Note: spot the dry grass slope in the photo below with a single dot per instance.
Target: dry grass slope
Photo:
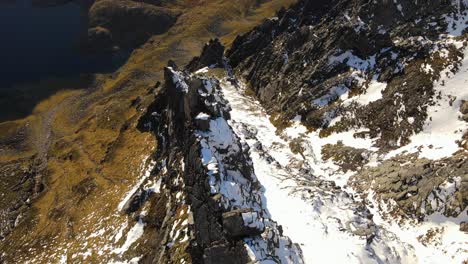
(91, 148)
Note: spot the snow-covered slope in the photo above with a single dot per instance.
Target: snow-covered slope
(362, 125)
(304, 197)
(340, 136)
(313, 210)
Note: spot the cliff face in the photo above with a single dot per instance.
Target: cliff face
(335, 132)
(302, 61)
(210, 172)
(72, 172)
(378, 67)
(357, 93)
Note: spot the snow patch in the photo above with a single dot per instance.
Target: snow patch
(443, 128)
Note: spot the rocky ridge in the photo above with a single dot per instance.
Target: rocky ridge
(96, 158)
(342, 139)
(351, 178)
(350, 141)
(343, 66)
(223, 193)
(229, 218)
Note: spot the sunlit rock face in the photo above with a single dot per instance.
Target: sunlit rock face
(335, 132)
(376, 88)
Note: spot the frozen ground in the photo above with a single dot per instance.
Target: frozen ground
(325, 220)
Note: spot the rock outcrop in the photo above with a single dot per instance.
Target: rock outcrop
(212, 55)
(125, 24)
(302, 61)
(374, 67)
(420, 187)
(230, 221)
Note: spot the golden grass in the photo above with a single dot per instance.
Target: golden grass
(94, 139)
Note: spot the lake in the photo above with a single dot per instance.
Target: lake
(39, 54)
(40, 43)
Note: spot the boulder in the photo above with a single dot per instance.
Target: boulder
(464, 227)
(226, 254)
(212, 54)
(202, 121)
(464, 107)
(243, 223)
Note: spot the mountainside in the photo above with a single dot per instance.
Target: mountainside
(334, 132)
(386, 80)
(67, 165)
(364, 132)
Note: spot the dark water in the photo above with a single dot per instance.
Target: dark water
(38, 43)
(39, 53)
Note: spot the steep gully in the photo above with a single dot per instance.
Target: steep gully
(257, 193)
(239, 175)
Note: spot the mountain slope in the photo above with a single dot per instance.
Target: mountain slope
(335, 132)
(373, 95)
(95, 156)
(363, 140)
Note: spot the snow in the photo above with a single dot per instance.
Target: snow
(373, 93)
(400, 8)
(352, 60)
(444, 127)
(202, 70)
(334, 93)
(202, 116)
(300, 190)
(178, 79)
(63, 258)
(154, 187)
(132, 236)
(220, 151)
(252, 219)
(146, 173)
(457, 22)
(119, 234)
(443, 195)
(450, 247)
(427, 68)
(359, 68)
(315, 222)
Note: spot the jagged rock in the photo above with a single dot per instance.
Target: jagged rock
(190, 120)
(225, 253)
(242, 223)
(212, 55)
(421, 187)
(464, 227)
(202, 121)
(347, 158)
(291, 61)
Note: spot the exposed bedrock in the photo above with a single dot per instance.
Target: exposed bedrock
(189, 119)
(303, 60)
